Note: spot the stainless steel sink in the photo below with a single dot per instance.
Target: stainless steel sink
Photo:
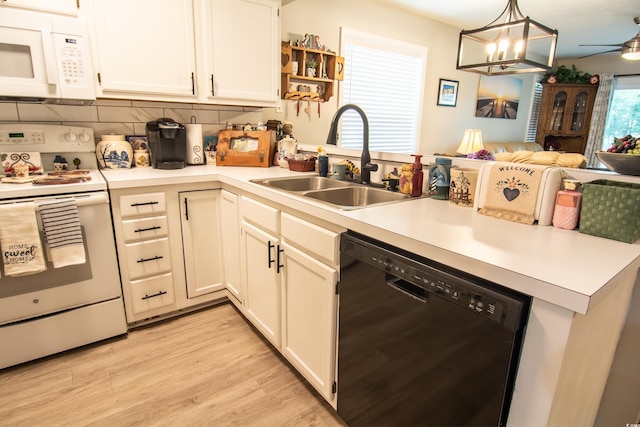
(358, 196)
(303, 183)
(343, 195)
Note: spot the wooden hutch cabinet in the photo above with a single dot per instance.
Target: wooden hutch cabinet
(565, 116)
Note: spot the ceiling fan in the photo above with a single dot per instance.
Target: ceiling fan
(630, 49)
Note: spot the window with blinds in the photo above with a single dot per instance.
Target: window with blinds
(535, 110)
(385, 78)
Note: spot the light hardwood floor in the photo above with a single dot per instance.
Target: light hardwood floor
(208, 368)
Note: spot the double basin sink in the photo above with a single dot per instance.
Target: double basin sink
(343, 195)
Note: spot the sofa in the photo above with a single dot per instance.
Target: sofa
(510, 147)
(533, 153)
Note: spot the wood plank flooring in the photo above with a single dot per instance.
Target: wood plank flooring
(208, 368)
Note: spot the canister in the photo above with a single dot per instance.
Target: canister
(439, 178)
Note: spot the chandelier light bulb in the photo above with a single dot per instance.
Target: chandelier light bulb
(491, 49)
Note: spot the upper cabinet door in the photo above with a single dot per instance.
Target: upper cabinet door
(143, 49)
(240, 53)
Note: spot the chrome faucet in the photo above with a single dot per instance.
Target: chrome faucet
(366, 167)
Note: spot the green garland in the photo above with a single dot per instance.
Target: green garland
(563, 74)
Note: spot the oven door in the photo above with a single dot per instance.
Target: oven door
(60, 289)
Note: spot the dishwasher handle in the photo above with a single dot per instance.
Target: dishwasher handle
(407, 288)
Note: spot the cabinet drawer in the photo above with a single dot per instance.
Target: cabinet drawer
(144, 228)
(263, 216)
(148, 258)
(311, 238)
(142, 204)
(151, 293)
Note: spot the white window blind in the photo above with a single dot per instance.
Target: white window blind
(535, 110)
(385, 78)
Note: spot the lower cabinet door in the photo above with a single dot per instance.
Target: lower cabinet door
(309, 318)
(262, 301)
(201, 240)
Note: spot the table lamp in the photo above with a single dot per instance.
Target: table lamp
(471, 142)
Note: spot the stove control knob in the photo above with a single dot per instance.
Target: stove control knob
(70, 136)
(84, 136)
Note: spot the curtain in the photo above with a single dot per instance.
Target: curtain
(598, 119)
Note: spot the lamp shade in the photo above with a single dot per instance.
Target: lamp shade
(471, 142)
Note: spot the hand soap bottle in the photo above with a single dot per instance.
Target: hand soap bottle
(567, 210)
(416, 179)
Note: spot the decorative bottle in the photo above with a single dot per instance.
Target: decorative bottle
(416, 178)
(567, 209)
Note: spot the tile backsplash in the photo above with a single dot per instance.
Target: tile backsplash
(107, 116)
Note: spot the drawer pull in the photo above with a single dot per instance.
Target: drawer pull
(157, 257)
(141, 230)
(154, 295)
(133, 205)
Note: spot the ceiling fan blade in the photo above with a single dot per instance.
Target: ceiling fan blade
(617, 44)
(600, 53)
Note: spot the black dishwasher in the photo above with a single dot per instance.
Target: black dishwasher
(421, 344)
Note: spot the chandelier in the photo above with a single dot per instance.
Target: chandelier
(518, 45)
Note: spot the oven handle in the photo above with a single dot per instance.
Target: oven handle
(84, 199)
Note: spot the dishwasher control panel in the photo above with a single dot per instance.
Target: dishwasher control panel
(472, 296)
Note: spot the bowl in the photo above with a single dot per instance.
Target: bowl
(625, 164)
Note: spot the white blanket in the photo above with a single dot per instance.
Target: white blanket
(20, 240)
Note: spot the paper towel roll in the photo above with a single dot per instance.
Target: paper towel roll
(195, 153)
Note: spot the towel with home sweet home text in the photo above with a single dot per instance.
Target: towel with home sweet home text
(512, 191)
(61, 224)
(20, 240)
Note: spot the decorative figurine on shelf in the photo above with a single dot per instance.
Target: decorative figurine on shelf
(311, 67)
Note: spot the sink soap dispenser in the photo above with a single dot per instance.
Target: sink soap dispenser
(416, 179)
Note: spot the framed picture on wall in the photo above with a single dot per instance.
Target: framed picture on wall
(498, 97)
(448, 93)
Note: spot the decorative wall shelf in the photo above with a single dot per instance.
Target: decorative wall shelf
(300, 84)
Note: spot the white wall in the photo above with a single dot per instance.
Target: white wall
(442, 127)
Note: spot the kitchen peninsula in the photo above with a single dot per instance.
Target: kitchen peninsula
(580, 295)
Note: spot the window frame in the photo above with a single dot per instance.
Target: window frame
(372, 41)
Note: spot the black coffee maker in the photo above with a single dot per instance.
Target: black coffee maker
(167, 144)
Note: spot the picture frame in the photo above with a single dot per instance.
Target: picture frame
(448, 93)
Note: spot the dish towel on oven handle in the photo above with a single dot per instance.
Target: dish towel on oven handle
(512, 191)
(63, 236)
(20, 240)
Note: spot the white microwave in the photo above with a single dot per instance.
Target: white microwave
(44, 58)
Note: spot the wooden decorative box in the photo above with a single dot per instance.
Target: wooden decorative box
(240, 148)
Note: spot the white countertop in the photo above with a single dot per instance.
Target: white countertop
(564, 267)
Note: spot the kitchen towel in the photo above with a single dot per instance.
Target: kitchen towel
(512, 191)
(61, 224)
(20, 240)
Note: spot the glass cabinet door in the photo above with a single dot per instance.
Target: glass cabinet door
(557, 114)
(579, 111)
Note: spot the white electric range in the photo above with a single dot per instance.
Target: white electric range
(65, 307)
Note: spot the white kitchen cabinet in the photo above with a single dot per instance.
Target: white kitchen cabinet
(143, 49)
(261, 260)
(309, 318)
(239, 55)
(206, 51)
(230, 220)
(201, 241)
(291, 272)
(169, 249)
